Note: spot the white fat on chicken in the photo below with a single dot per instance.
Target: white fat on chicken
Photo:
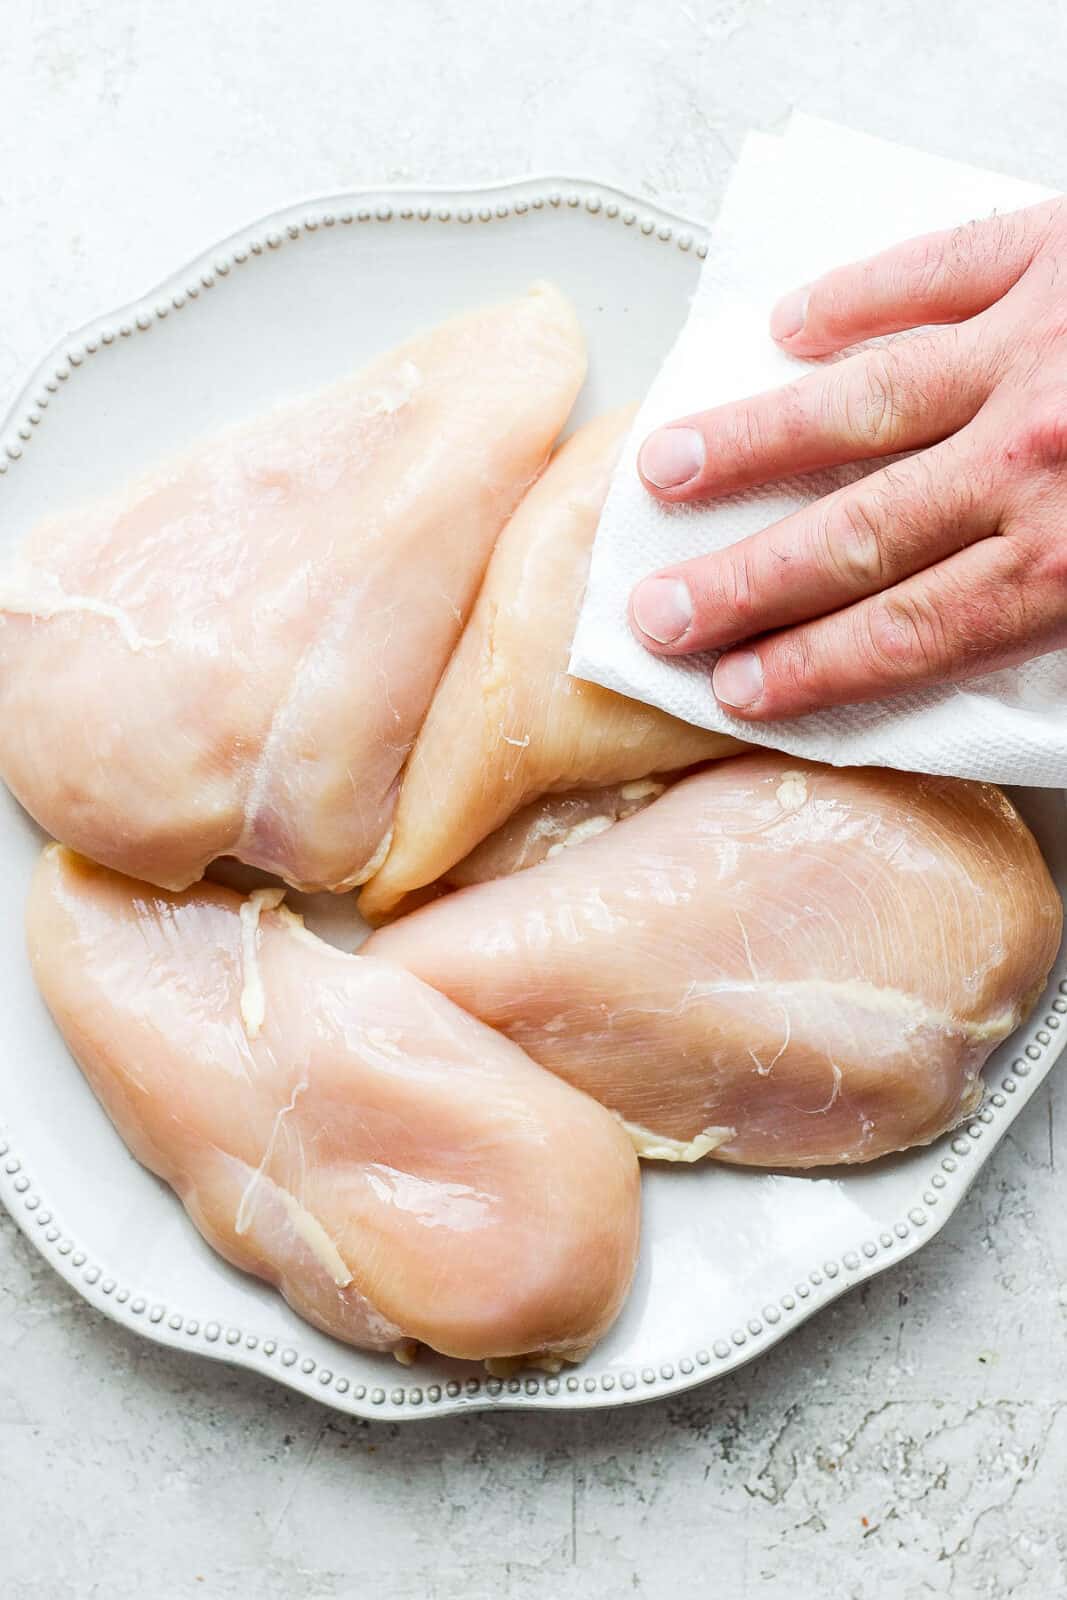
(792, 791)
(580, 832)
(548, 826)
(27, 591)
(309, 1228)
(253, 999)
(655, 1147)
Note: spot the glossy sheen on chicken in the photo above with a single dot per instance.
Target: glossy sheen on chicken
(234, 655)
(507, 723)
(801, 964)
(331, 1124)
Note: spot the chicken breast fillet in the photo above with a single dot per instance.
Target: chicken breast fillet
(507, 724)
(331, 1124)
(234, 655)
(781, 963)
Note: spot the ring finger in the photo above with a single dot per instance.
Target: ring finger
(975, 612)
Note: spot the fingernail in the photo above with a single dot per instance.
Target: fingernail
(662, 609)
(787, 318)
(671, 456)
(738, 678)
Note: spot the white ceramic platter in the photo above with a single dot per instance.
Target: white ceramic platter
(731, 1261)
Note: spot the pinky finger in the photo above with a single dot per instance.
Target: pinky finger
(973, 613)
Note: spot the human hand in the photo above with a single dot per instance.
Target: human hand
(947, 564)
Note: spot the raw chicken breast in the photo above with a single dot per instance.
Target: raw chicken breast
(234, 656)
(331, 1124)
(787, 964)
(507, 723)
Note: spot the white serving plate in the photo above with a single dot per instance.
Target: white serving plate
(731, 1261)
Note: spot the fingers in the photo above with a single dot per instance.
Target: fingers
(939, 277)
(974, 613)
(874, 404)
(838, 550)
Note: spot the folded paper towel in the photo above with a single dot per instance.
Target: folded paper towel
(798, 205)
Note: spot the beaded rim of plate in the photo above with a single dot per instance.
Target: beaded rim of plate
(466, 207)
(955, 1158)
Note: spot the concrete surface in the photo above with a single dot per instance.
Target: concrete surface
(912, 1441)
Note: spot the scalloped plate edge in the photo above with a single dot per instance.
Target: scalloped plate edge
(956, 1158)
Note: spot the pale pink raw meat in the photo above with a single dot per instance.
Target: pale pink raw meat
(507, 724)
(336, 1127)
(786, 963)
(233, 655)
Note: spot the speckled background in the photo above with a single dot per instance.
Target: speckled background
(910, 1442)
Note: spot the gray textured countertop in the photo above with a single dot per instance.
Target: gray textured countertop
(913, 1440)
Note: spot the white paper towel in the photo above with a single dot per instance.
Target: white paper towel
(817, 198)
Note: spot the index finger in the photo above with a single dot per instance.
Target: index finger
(874, 404)
(974, 613)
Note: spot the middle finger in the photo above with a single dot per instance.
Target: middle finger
(843, 548)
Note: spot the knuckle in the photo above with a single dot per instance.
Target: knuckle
(1050, 562)
(904, 633)
(976, 242)
(992, 624)
(849, 545)
(1012, 621)
(916, 635)
(979, 246)
(872, 407)
(1040, 440)
(937, 258)
(940, 259)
